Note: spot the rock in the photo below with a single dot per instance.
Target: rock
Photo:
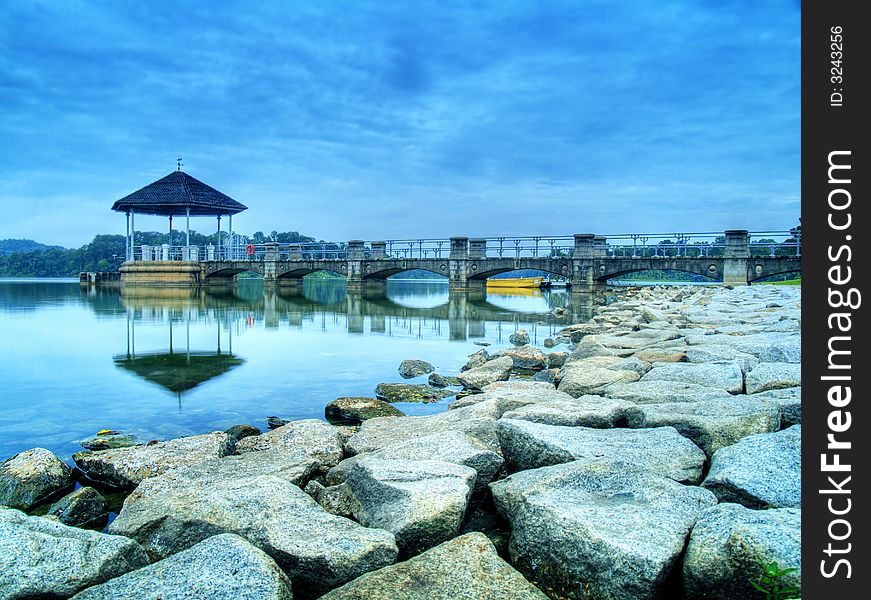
(598, 530)
(519, 337)
(275, 422)
(583, 380)
(789, 402)
(548, 376)
(656, 354)
(662, 450)
(335, 499)
(587, 347)
(32, 477)
(711, 424)
(557, 359)
(409, 392)
(631, 364)
(721, 353)
(773, 376)
(727, 377)
(760, 471)
(498, 369)
(42, 558)
(295, 467)
(784, 351)
(727, 544)
(409, 369)
(385, 431)
(649, 315)
(585, 411)
(84, 507)
(446, 446)
(443, 381)
(550, 343)
(465, 567)
(317, 550)
(312, 437)
(358, 409)
(422, 502)
(476, 360)
(663, 392)
(469, 399)
(237, 432)
(106, 439)
(526, 357)
(222, 567)
(127, 467)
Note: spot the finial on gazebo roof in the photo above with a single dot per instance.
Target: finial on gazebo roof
(178, 161)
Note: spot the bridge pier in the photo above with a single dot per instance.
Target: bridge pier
(736, 257)
(270, 264)
(587, 247)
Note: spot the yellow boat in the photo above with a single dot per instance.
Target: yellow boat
(519, 282)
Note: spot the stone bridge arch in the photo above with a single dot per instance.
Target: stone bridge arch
(710, 269)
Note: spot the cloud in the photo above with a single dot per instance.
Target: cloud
(348, 119)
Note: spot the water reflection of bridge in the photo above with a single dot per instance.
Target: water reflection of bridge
(460, 315)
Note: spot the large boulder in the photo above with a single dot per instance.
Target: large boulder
(773, 376)
(295, 467)
(442, 381)
(498, 369)
(128, 467)
(447, 446)
(725, 376)
(476, 360)
(422, 502)
(662, 450)
(312, 437)
(33, 476)
(85, 507)
(579, 379)
(317, 550)
(223, 567)
(588, 347)
(598, 530)
(727, 545)
(782, 351)
(760, 471)
(466, 567)
(477, 421)
(358, 409)
(41, 558)
(663, 392)
(410, 392)
(584, 411)
(711, 424)
(519, 337)
(789, 401)
(525, 357)
(721, 353)
(410, 369)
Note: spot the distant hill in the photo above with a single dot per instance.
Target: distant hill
(12, 246)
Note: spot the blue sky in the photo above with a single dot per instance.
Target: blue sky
(386, 120)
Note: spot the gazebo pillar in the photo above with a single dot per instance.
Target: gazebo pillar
(219, 237)
(187, 239)
(127, 239)
(132, 237)
(170, 232)
(230, 238)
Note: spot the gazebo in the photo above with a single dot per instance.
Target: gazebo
(177, 194)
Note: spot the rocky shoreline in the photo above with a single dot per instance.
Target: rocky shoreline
(653, 452)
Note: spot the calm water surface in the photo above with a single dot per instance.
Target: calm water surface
(164, 363)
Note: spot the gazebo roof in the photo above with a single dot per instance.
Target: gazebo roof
(175, 194)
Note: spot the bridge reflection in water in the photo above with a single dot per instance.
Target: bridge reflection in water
(400, 309)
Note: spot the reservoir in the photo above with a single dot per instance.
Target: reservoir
(166, 362)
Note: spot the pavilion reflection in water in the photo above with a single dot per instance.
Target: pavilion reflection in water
(177, 370)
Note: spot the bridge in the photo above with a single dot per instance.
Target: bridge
(584, 261)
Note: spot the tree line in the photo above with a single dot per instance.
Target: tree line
(105, 252)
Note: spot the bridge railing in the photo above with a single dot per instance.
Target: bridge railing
(620, 245)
